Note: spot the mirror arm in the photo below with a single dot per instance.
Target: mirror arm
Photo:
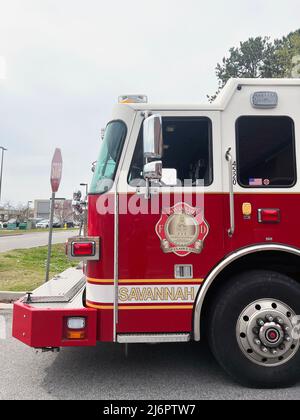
(147, 190)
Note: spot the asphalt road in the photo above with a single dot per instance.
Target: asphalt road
(168, 371)
(31, 240)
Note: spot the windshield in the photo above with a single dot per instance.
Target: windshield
(110, 153)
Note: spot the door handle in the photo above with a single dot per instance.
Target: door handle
(228, 157)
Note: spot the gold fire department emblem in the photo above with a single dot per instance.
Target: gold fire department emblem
(182, 230)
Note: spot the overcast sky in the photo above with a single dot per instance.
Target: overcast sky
(68, 60)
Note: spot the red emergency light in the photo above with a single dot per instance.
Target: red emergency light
(269, 215)
(83, 249)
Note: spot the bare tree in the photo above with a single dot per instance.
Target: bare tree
(63, 211)
(21, 212)
(8, 208)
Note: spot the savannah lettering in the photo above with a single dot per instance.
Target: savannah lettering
(144, 294)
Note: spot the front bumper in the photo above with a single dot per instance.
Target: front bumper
(42, 327)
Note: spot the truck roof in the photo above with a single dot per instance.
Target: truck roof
(223, 98)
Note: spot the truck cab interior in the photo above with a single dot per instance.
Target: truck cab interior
(187, 148)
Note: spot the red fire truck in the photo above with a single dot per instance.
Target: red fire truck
(193, 231)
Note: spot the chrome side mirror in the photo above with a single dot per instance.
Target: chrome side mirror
(153, 138)
(153, 170)
(169, 177)
(93, 168)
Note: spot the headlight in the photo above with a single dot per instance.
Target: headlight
(76, 323)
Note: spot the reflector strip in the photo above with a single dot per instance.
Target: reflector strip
(139, 307)
(146, 281)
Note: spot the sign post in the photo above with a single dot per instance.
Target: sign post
(55, 178)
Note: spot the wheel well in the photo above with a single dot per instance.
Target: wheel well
(281, 262)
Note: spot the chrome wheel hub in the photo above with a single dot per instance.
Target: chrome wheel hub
(271, 335)
(264, 331)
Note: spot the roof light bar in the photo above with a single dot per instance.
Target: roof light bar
(133, 99)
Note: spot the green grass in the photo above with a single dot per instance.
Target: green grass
(24, 269)
(9, 232)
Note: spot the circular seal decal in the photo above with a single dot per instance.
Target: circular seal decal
(182, 230)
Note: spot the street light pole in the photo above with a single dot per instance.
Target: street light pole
(85, 208)
(1, 170)
(86, 188)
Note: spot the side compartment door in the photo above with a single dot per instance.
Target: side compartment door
(169, 243)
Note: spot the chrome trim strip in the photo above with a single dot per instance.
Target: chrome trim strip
(153, 338)
(259, 216)
(228, 157)
(116, 264)
(130, 127)
(220, 267)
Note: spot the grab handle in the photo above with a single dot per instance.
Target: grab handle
(231, 230)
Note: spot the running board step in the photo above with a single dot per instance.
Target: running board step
(153, 338)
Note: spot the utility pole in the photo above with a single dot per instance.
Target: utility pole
(1, 170)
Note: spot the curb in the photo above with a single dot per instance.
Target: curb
(9, 297)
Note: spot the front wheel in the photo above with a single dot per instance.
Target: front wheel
(252, 329)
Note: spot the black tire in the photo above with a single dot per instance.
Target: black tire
(84, 298)
(232, 299)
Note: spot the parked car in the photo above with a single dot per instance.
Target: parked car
(12, 222)
(34, 221)
(57, 224)
(43, 224)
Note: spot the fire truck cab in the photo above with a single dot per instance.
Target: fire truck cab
(193, 230)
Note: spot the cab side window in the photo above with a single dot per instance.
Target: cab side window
(187, 148)
(266, 152)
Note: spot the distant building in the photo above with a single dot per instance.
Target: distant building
(41, 209)
(63, 211)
